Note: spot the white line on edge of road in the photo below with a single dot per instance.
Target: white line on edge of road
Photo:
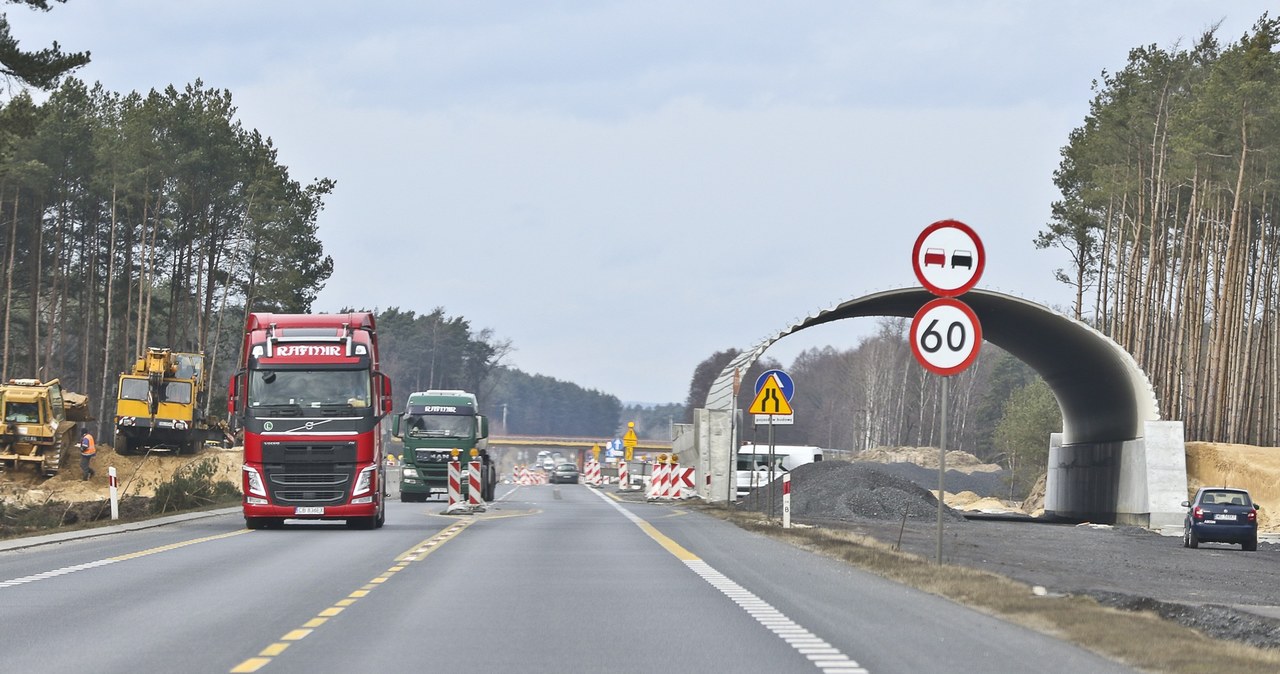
(823, 655)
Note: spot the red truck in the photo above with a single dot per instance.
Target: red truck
(311, 401)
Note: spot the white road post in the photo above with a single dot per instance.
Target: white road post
(115, 497)
(786, 500)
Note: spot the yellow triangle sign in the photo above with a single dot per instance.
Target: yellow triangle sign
(770, 399)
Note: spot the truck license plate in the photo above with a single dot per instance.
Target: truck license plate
(1221, 516)
(309, 510)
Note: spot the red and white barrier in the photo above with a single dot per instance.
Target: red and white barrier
(624, 478)
(455, 483)
(685, 483)
(673, 480)
(474, 495)
(658, 481)
(592, 474)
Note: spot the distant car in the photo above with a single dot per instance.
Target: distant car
(565, 472)
(1221, 515)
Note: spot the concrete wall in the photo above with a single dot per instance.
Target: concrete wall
(1166, 473)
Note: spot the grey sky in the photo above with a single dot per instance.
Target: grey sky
(623, 188)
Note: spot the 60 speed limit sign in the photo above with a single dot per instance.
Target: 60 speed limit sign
(946, 336)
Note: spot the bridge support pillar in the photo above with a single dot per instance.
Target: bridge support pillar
(714, 447)
(1138, 482)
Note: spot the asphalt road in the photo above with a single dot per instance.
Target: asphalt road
(550, 579)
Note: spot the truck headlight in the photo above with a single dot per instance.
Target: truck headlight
(254, 478)
(409, 473)
(365, 481)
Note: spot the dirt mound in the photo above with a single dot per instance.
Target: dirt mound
(927, 457)
(136, 476)
(841, 490)
(1245, 466)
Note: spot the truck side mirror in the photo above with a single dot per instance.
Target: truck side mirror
(395, 426)
(387, 402)
(483, 423)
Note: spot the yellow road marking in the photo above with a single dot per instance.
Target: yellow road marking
(175, 546)
(416, 553)
(250, 665)
(670, 545)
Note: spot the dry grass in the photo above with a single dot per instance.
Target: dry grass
(1140, 639)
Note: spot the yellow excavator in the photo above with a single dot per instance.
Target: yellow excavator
(158, 404)
(39, 427)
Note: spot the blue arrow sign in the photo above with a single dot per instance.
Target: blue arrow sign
(784, 382)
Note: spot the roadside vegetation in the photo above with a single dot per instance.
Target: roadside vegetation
(193, 487)
(1138, 638)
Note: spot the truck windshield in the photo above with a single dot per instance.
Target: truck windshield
(309, 388)
(439, 425)
(178, 392)
(134, 389)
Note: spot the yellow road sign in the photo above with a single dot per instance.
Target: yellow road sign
(770, 399)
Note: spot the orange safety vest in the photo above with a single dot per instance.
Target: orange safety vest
(87, 446)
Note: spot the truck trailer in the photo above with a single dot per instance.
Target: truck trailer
(311, 400)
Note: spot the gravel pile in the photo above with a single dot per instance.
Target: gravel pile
(981, 483)
(841, 490)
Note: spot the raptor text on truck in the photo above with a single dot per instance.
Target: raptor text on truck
(311, 400)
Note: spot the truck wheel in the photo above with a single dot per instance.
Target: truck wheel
(362, 522)
(382, 518)
(255, 522)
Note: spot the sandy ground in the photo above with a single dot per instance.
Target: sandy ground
(136, 476)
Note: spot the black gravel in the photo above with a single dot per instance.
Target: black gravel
(841, 490)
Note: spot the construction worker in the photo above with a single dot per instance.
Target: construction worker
(88, 448)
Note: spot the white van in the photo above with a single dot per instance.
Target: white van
(753, 463)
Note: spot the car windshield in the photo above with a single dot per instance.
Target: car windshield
(566, 468)
(1225, 498)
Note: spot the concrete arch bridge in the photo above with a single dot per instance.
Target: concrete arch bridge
(1115, 461)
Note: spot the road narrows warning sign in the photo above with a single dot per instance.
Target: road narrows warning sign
(770, 399)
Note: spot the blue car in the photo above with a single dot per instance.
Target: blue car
(1221, 515)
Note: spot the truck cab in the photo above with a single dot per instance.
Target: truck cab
(434, 424)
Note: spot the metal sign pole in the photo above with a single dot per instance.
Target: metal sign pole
(771, 467)
(942, 465)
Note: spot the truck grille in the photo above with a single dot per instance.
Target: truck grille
(309, 473)
(422, 456)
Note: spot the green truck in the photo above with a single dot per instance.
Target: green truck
(435, 423)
